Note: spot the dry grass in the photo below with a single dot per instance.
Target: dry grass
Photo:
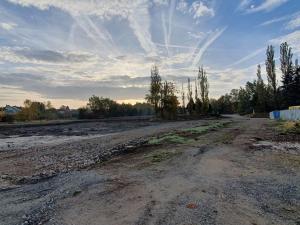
(289, 127)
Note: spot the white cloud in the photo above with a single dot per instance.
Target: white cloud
(293, 23)
(161, 2)
(293, 39)
(294, 20)
(196, 35)
(244, 4)
(248, 57)
(211, 39)
(199, 9)
(182, 6)
(275, 20)
(8, 26)
(266, 5)
(135, 11)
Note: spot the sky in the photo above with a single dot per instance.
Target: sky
(67, 50)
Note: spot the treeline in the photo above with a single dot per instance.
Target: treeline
(260, 97)
(34, 110)
(99, 107)
(163, 96)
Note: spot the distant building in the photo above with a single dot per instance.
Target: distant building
(11, 110)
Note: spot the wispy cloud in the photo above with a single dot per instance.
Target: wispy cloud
(293, 39)
(246, 58)
(290, 17)
(199, 9)
(7, 26)
(293, 23)
(136, 12)
(210, 40)
(267, 5)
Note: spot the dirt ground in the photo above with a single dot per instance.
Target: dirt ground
(234, 174)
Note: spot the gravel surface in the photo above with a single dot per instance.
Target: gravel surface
(232, 175)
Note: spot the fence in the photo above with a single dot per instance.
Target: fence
(293, 114)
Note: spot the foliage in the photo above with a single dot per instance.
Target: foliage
(162, 96)
(99, 107)
(259, 97)
(169, 101)
(183, 136)
(203, 88)
(271, 74)
(155, 89)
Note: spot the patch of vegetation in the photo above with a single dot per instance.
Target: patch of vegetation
(205, 129)
(170, 138)
(186, 135)
(289, 127)
(161, 156)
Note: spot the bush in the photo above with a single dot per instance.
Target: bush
(6, 118)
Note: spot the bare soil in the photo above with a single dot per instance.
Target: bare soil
(243, 173)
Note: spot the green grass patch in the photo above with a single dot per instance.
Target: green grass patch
(170, 138)
(206, 128)
(186, 135)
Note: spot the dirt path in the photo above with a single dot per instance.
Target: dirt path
(234, 175)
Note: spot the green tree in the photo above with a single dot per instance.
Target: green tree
(204, 89)
(286, 60)
(271, 74)
(169, 101)
(191, 104)
(183, 99)
(295, 86)
(155, 89)
(261, 93)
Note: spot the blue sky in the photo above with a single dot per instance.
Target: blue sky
(67, 50)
